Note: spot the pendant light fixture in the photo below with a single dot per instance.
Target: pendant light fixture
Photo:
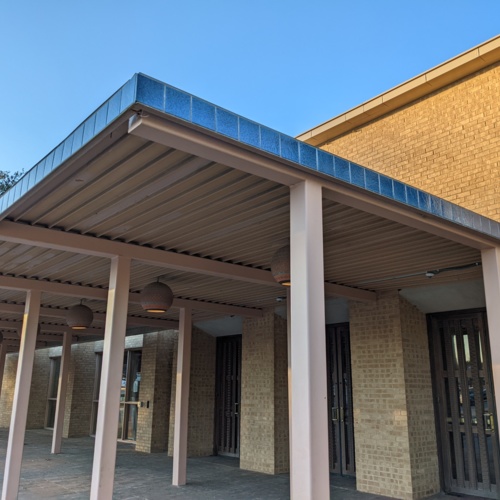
(156, 297)
(79, 317)
(280, 266)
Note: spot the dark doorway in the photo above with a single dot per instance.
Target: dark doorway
(465, 407)
(341, 431)
(228, 396)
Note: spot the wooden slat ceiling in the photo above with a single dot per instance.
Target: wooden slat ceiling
(141, 192)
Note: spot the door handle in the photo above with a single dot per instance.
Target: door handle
(335, 414)
(489, 422)
(342, 414)
(236, 408)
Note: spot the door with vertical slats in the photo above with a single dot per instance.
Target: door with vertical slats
(341, 431)
(465, 405)
(227, 397)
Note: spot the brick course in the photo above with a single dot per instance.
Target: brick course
(446, 143)
(395, 440)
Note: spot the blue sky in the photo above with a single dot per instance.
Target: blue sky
(288, 64)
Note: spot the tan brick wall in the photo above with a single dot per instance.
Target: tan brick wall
(264, 395)
(156, 380)
(446, 143)
(201, 396)
(38, 390)
(396, 453)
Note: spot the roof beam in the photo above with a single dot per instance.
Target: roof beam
(26, 234)
(17, 325)
(99, 247)
(53, 312)
(87, 292)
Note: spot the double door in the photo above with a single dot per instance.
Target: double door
(467, 423)
(341, 431)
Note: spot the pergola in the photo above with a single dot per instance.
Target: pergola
(158, 184)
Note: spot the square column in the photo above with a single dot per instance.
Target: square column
(3, 354)
(103, 472)
(491, 275)
(182, 397)
(19, 415)
(310, 477)
(61, 393)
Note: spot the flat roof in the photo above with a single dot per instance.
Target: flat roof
(461, 66)
(158, 96)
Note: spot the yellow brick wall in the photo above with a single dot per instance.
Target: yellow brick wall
(394, 431)
(447, 143)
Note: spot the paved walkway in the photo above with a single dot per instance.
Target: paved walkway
(142, 476)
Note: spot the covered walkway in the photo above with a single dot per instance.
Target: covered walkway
(149, 476)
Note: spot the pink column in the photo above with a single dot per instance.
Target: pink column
(61, 393)
(182, 398)
(103, 472)
(491, 275)
(3, 354)
(310, 477)
(21, 396)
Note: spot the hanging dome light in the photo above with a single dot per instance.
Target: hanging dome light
(280, 266)
(79, 317)
(156, 297)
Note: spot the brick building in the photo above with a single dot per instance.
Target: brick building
(158, 185)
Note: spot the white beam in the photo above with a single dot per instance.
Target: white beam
(310, 476)
(3, 353)
(182, 398)
(54, 312)
(61, 394)
(491, 276)
(87, 292)
(19, 413)
(88, 245)
(103, 471)
(100, 247)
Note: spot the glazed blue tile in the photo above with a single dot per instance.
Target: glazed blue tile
(10, 196)
(31, 178)
(485, 225)
(289, 148)
(476, 221)
(372, 181)
(411, 196)
(57, 156)
(227, 123)
(150, 92)
(17, 191)
(270, 140)
(67, 147)
(100, 118)
(385, 186)
(77, 139)
(178, 103)
(447, 208)
(357, 175)
(114, 106)
(40, 171)
(203, 113)
(457, 214)
(307, 155)
(436, 206)
(399, 191)
(128, 94)
(88, 128)
(249, 132)
(424, 202)
(342, 169)
(325, 162)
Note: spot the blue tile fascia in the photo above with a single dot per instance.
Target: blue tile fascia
(142, 89)
(115, 106)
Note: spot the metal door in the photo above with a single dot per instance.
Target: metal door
(341, 431)
(464, 402)
(227, 397)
